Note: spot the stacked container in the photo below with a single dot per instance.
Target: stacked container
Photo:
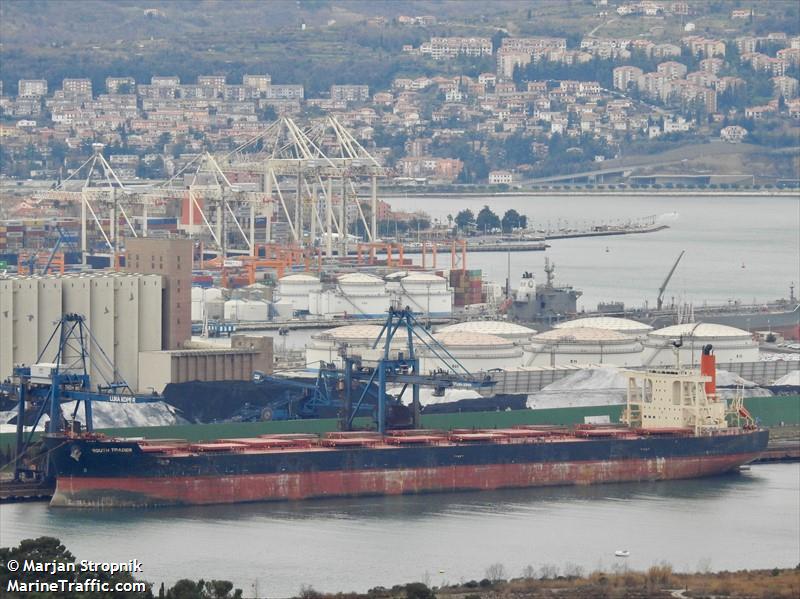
(467, 287)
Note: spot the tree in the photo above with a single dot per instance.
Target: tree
(465, 219)
(513, 220)
(487, 220)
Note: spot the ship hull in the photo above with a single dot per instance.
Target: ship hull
(127, 479)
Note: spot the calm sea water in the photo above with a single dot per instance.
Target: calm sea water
(737, 248)
(745, 520)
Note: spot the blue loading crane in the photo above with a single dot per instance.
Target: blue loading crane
(44, 386)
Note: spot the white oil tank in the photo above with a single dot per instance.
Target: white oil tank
(731, 345)
(507, 330)
(474, 351)
(242, 310)
(293, 290)
(356, 295)
(581, 346)
(424, 293)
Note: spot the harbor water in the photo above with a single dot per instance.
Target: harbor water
(737, 248)
(745, 520)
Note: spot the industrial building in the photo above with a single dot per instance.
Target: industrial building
(171, 258)
(247, 354)
(731, 345)
(581, 346)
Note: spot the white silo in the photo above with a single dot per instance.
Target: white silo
(581, 346)
(126, 327)
(49, 307)
(150, 291)
(731, 345)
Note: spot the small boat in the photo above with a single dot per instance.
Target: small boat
(622, 553)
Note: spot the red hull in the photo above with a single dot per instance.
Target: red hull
(144, 492)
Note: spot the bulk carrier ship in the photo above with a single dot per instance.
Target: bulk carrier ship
(674, 426)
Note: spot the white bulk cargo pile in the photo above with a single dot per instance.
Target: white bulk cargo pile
(109, 415)
(790, 378)
(729, 385)
(600, 386)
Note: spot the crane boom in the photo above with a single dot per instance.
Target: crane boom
(660, 300)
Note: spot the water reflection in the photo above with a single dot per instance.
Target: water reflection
(420, 507)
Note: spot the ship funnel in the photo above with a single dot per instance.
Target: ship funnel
(708, 367)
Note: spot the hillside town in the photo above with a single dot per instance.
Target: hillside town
(547, 106)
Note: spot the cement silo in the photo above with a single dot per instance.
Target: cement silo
(150, 293)
(49, 308)
(126, 328)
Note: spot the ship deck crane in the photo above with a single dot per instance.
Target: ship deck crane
(663, 288)
(44, 386)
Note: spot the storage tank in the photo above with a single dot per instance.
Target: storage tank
(507, 330)
(150, 289)
(325, 345)
(76, 294)
(731, 345)
(626, 326)
(474, 351)
(6, 328)
(215, 309)
(242, 310)
(356, 295)
(26, 323)
(126, 327)
(293, 290)
(582, 346)
(424, 293)
(49, 308)
(102, 327)
(197, 303)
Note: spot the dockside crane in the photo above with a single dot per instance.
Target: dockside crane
(663, 288)
(396, 366)
(46, 385)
